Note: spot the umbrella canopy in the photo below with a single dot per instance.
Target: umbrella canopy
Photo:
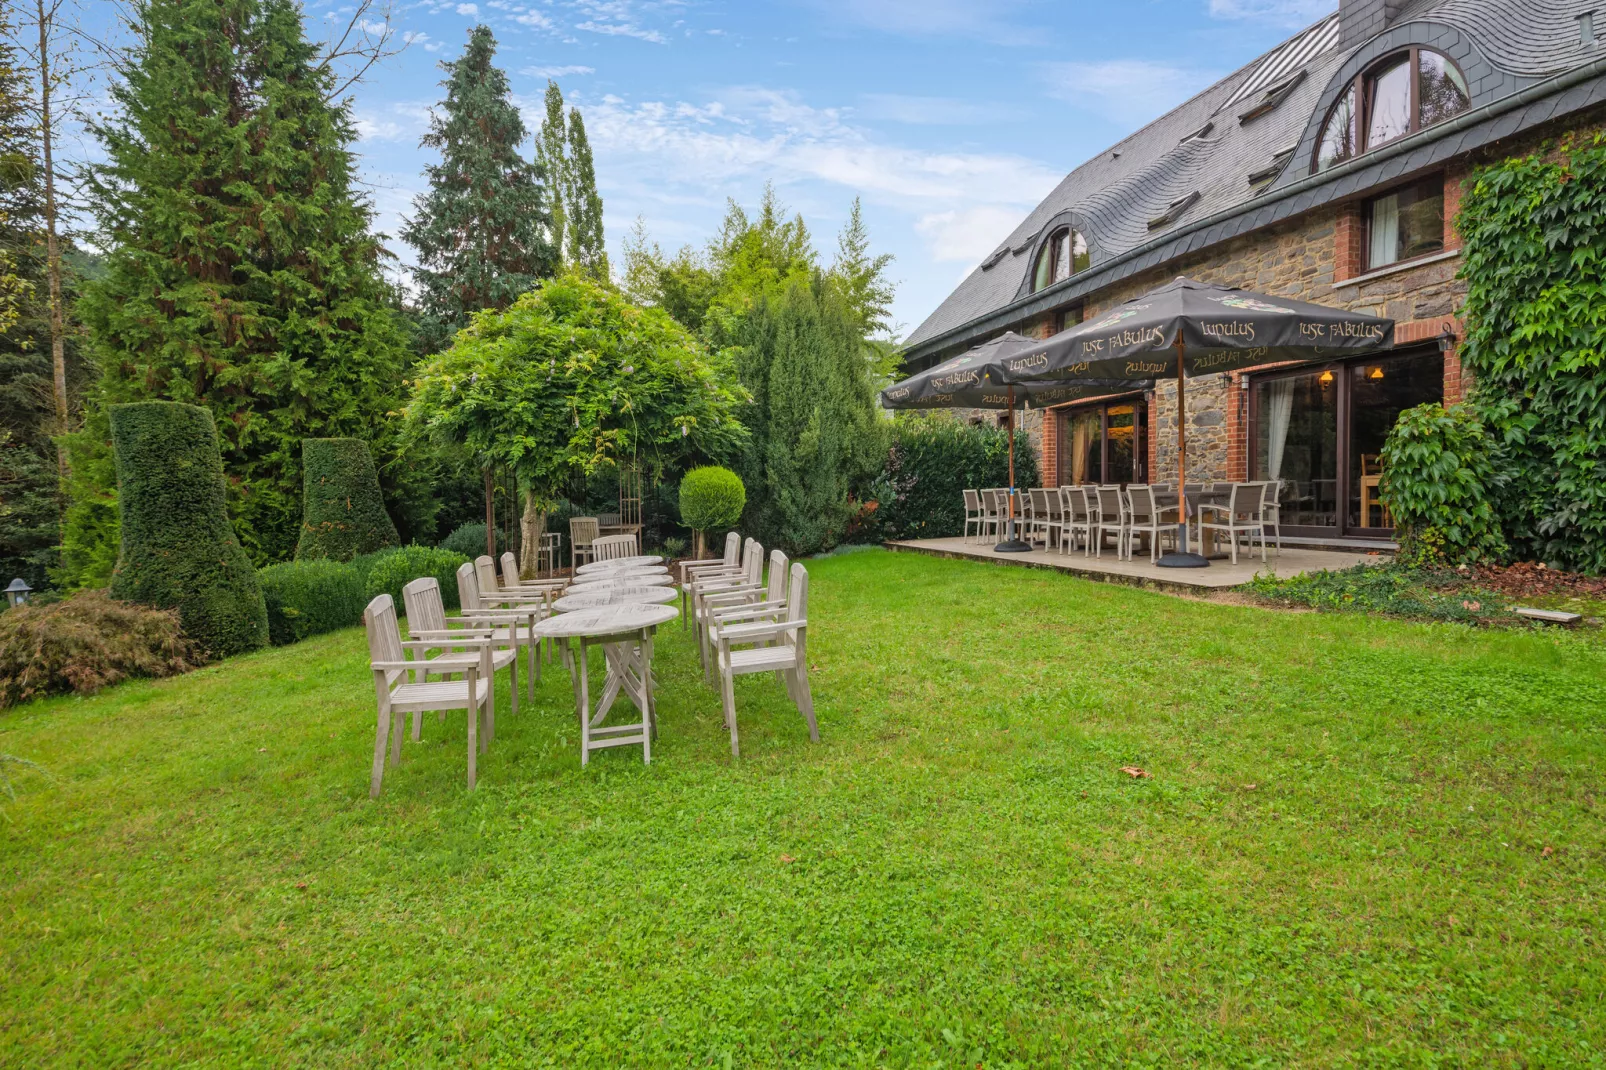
(978, 379)
(1187, 328)
(1209, 328)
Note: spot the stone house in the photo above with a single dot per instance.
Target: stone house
(1330, 169)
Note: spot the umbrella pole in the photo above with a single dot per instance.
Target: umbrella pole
(1180, 557)
(1011, 545)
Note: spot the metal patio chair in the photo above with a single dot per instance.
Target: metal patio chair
(1147, 517)
(1112, 519)
(973, 514)
(1244, 514)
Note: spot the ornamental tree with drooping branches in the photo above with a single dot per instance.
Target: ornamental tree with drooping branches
(570, 378)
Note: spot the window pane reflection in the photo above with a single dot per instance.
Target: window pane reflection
(1297, 442)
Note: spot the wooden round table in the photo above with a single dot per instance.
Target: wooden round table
(624, 631)
(626, 578)
(595, 567)
(598, 597)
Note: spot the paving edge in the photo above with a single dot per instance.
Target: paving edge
(1142, 582)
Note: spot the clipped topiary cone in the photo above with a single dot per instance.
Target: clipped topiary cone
(344, 513)
(179, 550)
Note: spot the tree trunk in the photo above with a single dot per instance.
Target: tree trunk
(58, 332)
(490, 514)
(697, 545)
(533, 524)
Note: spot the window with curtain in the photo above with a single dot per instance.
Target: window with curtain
(1400, 94)
(1405, 223)
(1063, 255)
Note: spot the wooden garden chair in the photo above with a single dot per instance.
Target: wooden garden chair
(749, 592)
(583, 531)
(786, 654)
(493, 609)
(613, 547)
(399, 696)
(704, 584)
(426, 621)
(691, 569)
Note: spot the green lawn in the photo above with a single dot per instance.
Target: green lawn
(1363, 842)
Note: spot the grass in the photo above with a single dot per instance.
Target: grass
(1364, 841)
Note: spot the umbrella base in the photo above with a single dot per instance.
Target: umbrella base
(1013, 546)
(1177, 559)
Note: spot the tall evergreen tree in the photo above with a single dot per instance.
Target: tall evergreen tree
(242, 275)
(551, 151)
(565, 152)
(587, 247)
(28, 505)
(481, 230)
(862, 277)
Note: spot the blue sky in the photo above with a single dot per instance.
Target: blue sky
(950, 118)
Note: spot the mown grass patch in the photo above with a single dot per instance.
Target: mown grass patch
(1363, 841)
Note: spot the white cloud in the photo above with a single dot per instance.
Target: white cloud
(931, 111)
(622, 29)
(967, 234)
(470, 10)
(556, 72)
(1127, 90)
(534, 20)
(1290, 13)
(962, 203)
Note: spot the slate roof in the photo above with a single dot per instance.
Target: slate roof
(1203, 146)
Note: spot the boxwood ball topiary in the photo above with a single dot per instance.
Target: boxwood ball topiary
(711, 498)
(343, 512)
(178, 549)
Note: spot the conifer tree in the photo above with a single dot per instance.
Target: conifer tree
(587, 249)
(861, 277)
(481, 230)
(551, 151)
(242, 276)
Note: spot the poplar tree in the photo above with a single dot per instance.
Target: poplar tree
(481, 229)
(565, 153)
(241, 276)
(587, 249)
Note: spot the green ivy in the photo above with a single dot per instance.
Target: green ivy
(1437, 480)
(1535, 245)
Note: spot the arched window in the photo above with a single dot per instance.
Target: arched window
(1398, 95)
(1063, 255)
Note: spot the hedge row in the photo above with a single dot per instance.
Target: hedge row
(394, 571)
(307, 598)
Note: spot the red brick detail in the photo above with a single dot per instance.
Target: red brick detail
(1452, 207)
(1153, 409)
(1349, 243)
(1238, 429)
(1049, 474)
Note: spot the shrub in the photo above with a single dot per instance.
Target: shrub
(931, 462)
(394, 571)
(86, 642)
(364, 563)
(469, 540)
(178, 548)
(306, 598)
(343, 512)
(1437, 478)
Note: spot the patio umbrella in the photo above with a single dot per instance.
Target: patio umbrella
(978, 379)
(1187, 328)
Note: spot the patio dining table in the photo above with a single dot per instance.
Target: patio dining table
(625, 633)
(1167, 499)
(625, 577)
(636, 561)
(611, 595)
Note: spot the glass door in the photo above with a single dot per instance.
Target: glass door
(1378, 393)
(1105, 443)
(1296, 441)
(1320, 430)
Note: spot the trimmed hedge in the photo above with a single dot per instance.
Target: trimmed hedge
(364, 563)
(85, 643)
(933, 459)
(394, 571)
(469, 539)
(307, 598)
(711, 500)
(344, 513)
(178, 549)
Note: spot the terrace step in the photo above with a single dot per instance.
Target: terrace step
(1548, 616)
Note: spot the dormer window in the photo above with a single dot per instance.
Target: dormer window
(1398, 95)
(1063, 255)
